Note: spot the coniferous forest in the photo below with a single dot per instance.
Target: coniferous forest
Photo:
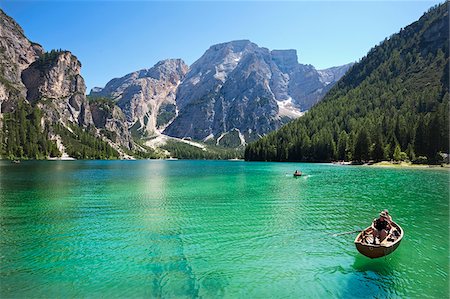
(23, 137)
(391, 105)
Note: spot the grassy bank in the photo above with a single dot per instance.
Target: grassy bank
(408, 165)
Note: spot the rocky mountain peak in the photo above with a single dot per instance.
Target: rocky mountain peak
(235, 46)
(147, 97)
(222, 58)
(172, 70)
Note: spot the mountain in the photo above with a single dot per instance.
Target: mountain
(147, 97)
(43, 107)
(392, 104)
(234, 93)
(237, 92)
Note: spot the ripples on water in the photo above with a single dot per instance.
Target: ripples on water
(216, 229)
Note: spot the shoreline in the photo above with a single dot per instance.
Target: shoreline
(383, 164)
(389, 164)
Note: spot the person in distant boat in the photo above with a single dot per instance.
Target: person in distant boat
(381, 226)
(297, 173)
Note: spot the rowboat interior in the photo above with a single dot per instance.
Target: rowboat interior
(372, 247)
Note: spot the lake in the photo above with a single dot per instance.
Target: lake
(216, 229)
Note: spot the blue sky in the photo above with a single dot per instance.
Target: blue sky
(113, 38)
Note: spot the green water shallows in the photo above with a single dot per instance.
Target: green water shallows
(216, 229)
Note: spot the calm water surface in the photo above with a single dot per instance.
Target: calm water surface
(216, 229)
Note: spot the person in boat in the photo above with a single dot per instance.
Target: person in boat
(382, 226)
(297, 172)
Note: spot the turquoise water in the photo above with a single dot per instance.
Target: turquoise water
(215, 229)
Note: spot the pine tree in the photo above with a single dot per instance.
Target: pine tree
(410, 152)
(434, 138)
(342, 145)
(378, 149)
(397, 153)
(361, 152)
(420, 140)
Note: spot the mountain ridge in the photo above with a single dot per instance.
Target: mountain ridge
(207, 104)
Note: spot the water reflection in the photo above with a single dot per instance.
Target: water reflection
(384, 266)
(157, 215)
(377, 278)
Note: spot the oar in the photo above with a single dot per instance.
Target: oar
(347, 233)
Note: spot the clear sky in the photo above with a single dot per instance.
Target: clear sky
(113, 38)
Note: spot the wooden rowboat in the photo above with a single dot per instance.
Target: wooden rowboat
(364, 242)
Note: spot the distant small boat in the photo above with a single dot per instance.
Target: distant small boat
(15, 161)
(297, 173)
(364, 242)
(171, 159)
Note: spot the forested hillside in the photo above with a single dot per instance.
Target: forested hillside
(392, 104)
(23, 136)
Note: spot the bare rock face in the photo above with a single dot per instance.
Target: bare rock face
(112, 123)
(240, 87)
(333, 74)
(147, 97)
(55, 81)
(227, 89)
(16, 54)
(302, 82)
